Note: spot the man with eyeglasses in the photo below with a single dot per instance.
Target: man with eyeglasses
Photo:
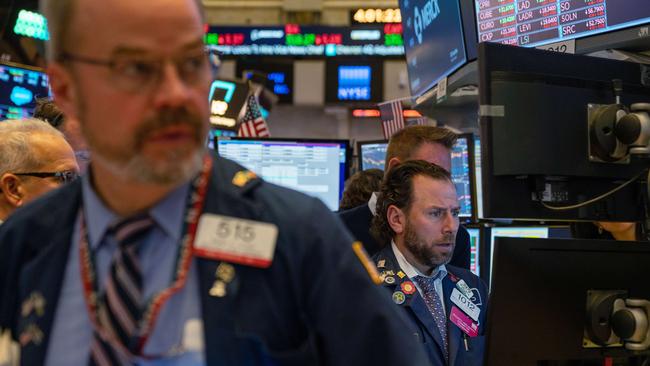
(35, 159)
(163, 253)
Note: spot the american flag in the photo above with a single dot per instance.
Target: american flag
(253, 124)
(392, 117)
(420, 121)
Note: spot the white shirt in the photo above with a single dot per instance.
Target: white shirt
(413, 272)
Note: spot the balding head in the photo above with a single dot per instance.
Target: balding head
(30, 146)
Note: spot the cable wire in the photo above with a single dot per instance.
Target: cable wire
(595, 199)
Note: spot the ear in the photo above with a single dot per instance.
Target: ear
(12, 189)
(396, 219)
(65, 94)
(393, 162)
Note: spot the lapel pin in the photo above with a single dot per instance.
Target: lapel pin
(225, 272)
(218, 289)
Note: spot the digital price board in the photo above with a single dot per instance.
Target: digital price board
(310, 41)
(19, 88)
(532, 23)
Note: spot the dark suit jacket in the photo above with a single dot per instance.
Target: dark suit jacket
(314, 305)
(359, 219)
(427, 333)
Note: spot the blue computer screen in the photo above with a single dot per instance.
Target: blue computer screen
(373, 155)
(433, 41)
(354, 83)
(317, 168)
(19, 88)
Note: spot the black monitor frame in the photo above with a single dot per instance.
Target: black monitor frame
(533, 116)
(538, 298)
(360, 144)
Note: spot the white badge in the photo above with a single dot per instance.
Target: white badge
(235, 240)
(465, 304)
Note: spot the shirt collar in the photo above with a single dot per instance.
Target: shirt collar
(372, 203)
(167, 213)
(410, 270)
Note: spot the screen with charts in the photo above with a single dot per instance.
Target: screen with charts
(536, 22)
(315, 167)
(475, 247)
(372, 154)
(477, 177)
(19, 89)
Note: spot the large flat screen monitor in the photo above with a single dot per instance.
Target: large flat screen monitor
(537, 22)
(538, 299)
(433, 41)
(354, 82)
(20, 86)
(315, 167)
(372, 154)
(534, 116)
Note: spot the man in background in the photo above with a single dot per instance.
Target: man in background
(429, 143)
(35, 159)
(48, 111)
(417, 214)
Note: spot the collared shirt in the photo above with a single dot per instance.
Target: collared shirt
(372, 203)
(413, 272)
(72, 330)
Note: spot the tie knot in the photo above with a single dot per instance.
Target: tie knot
(131, 230)
(426, 283)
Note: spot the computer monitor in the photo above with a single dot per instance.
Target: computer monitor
(277, 75)
(434, 41)
(540, 22)
(475, 250)
(523, 232)
(462, 174)
(534, 115)
(477, 178)
(372, 154)
(315, 167)
(20, 86)
(538, 299)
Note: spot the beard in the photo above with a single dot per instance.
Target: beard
(175, 166)
(425, 252)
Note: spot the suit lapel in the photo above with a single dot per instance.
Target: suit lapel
(415, 303)
(43, 274)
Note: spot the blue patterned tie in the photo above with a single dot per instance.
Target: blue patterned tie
(434, 304)
(122, 300)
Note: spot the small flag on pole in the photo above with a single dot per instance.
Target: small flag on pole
(392, 118)
(420, 121)
(253, 124)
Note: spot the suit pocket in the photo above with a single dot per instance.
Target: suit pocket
(474, 355)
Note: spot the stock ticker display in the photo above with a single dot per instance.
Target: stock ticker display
(19, 89)
(537, 22)
(460, 175)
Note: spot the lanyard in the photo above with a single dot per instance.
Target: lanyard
(183, 261)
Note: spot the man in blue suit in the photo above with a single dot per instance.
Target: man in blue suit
(162, 253)
(417, 214)
(428, 143)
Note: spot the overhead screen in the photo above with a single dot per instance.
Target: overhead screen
(433, 41)
(537, 22)
(19, 89)
(314, 167)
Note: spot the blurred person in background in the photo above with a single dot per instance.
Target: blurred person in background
(360, 187)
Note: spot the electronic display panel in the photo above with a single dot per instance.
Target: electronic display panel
(19, 89)
(532, 23)
(433, 41)
(315, 167)
(353, 82)
(475, 248)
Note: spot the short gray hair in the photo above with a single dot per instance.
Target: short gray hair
(16, 153)
(59, 15)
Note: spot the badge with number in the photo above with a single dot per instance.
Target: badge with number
(465, 304)
(235, 240)
(462, 286)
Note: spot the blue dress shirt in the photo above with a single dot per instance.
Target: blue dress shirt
(179, 323)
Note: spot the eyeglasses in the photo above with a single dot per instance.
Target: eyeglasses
(65, 176)
(141, 73)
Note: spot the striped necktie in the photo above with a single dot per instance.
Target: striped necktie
(121, 304)
(432, 299)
